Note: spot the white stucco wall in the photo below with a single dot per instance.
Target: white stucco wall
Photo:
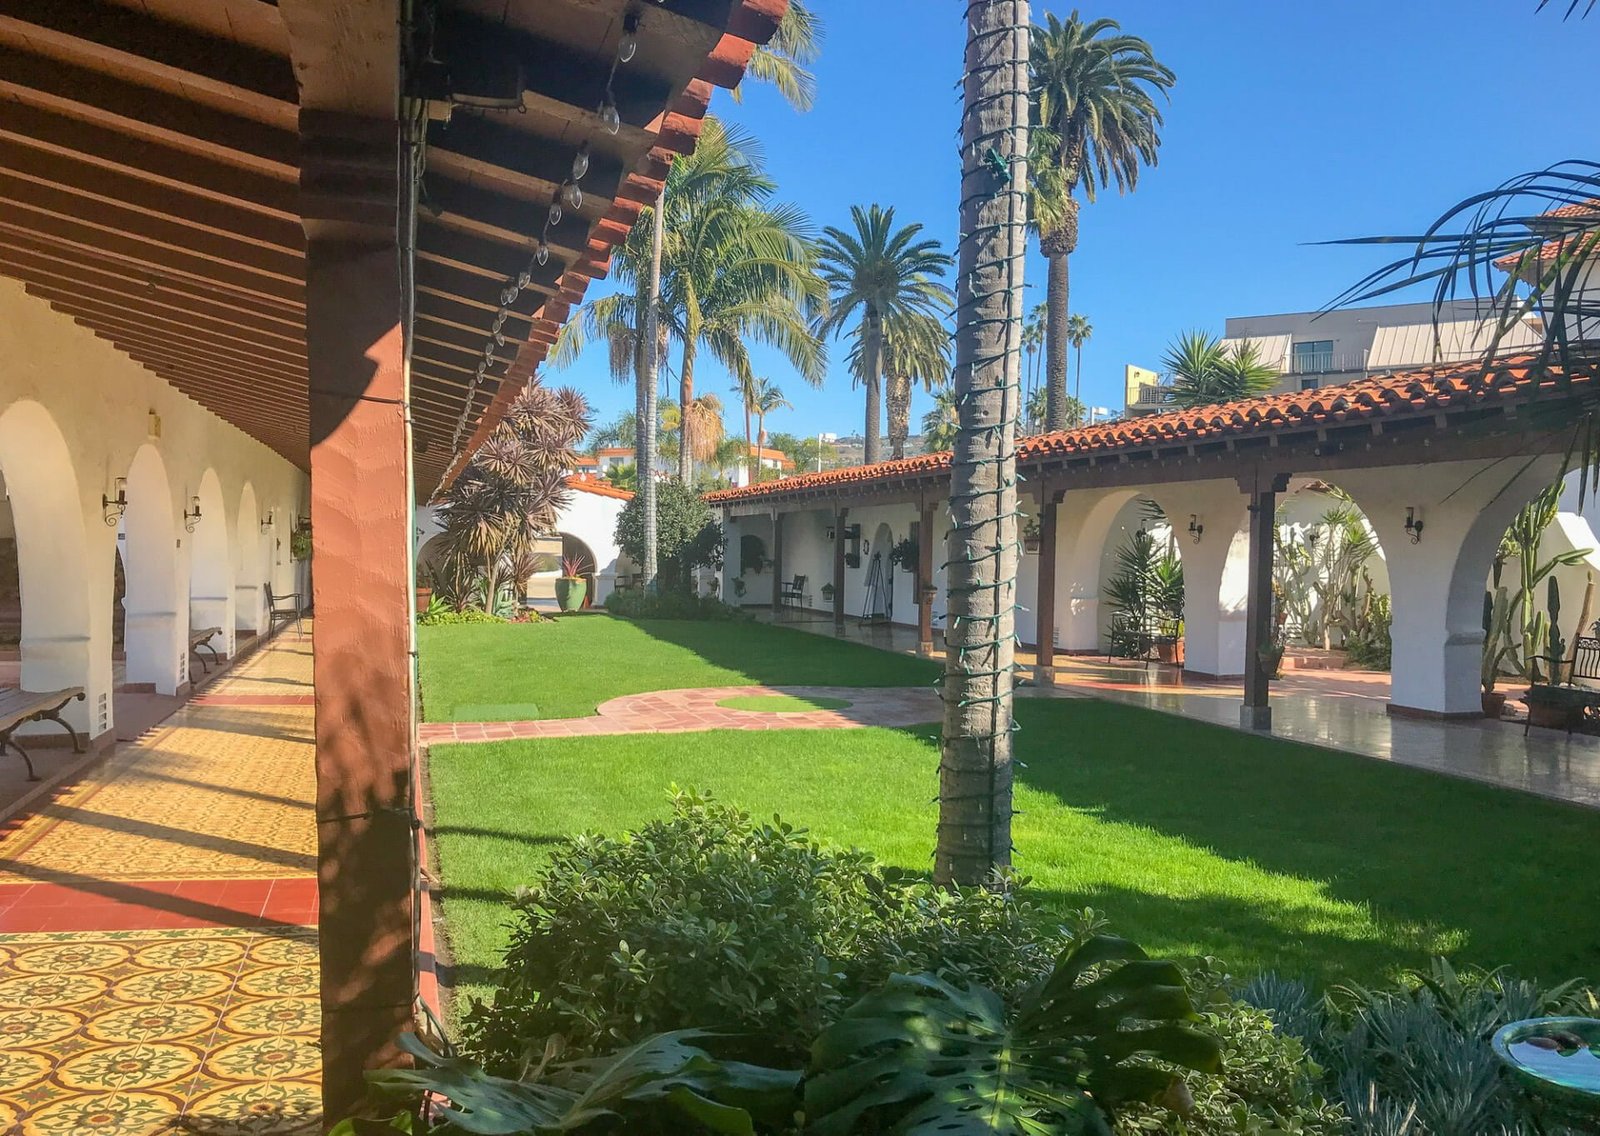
(75, 415)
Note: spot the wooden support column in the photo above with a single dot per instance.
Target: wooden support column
(1256, 713)
(777, 563)
(1044, 608)
(925, 590)
(361, 517)
(840, 516)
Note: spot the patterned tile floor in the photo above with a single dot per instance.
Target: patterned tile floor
(157, 926)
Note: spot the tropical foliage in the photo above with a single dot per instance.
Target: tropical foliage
(1146, 585)
(1538, 633)
(889, 279)
(1096, 122)
(1320, 572)
(783, 61)
(939, 424)
(688, 535)
(508, 496)
(1205, 371)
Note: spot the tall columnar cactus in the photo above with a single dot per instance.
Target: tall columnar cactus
(1496, 634)
(1558, 645)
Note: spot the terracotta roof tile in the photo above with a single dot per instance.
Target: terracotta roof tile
(599, 487)
(1510, 379)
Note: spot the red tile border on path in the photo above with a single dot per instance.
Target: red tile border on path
(120, 906)
(686, 711)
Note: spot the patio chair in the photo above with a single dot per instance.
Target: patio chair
(283, 609)
(793, 593)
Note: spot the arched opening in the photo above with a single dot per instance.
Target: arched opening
(1088, 526)
(249, 566)
(44, 520)
(877, 602)
(155, 641)
(1142, 584)
(1330, 581)
(577, 553)
(1215, 557)
(211, 567)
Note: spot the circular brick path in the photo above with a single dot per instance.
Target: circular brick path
(681, 711)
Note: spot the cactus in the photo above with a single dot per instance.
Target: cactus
(1558, 646)
(1496, 634)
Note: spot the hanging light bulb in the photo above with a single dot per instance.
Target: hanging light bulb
(580, 163)
(508, 296)
(499, 321)
(555, 212)
(628, 45)
(499, 338)
(574, 195)
(523, 279)
(609, 118)
(543, 254)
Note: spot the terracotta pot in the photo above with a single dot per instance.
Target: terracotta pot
(1549, 715)
(570, 592)
(1494, 703)
(424, 596)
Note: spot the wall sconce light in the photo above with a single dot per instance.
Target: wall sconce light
(268, 521)
(1196, 529)
(191, 518)
(1312, 536)
(114, 507)
(1413, 524)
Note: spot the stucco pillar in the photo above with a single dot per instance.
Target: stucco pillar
(214, 611)
(1215, 574)
(1436, 584)
(925, 588)
(840, 517)
(1044, 670)
(1256, 713)
(361, 514)
(777, 562)
(249, 607)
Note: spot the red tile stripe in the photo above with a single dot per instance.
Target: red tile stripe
(101, 905)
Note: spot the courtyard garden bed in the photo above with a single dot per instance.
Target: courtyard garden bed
(566, 667)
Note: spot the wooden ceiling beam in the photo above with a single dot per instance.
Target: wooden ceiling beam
(444, 312)
(53, 280)
(23, 220)
(95, 266)
(121, 194)
(230, 369)
(147, 160)
(145, 113)
(473, 209)
(178, 326)
(482, 293)
(129, 41)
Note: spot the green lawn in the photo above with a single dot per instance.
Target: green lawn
(1192, 838)
(565, 668)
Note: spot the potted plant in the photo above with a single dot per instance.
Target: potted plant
(903, 555)
(1031, 536)
(827, 594)
(1271, 657)
(1553, 707)
(300, 540)
(572, 586)
(739, 587)
(1496, 647)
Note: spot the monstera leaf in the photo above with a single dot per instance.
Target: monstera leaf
(924, 1058)
(660, 1072)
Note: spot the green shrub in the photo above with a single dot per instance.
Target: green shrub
(441, 614)
(713, 919)
(1368, 643)
(634, 603)
(688, 535)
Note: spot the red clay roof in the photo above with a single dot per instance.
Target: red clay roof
(1513, 378)
(600, 488)
(1581, 241)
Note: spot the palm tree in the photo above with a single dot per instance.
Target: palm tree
(736, 267)
(974, 835)
(1079, 329)
(939, 424)
(768, 400)
(1096, 121)
(782, 62)
(1205, 370)
(1033, 345)
(916, 352)
(886, 275)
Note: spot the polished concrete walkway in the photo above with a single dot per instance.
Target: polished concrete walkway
(1342, 710)
(157, 925)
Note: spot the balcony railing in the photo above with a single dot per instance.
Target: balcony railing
(1153, 394)
(1326, 362)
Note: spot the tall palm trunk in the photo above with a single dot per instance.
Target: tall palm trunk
(1077, 383)
(975, 744)
(1057, 246)
(686, 407)
(750, 462)
(649, 358)
(872, 365)
(897, 392)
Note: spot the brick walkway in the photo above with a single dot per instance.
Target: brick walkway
(158, 958)
(681, 711)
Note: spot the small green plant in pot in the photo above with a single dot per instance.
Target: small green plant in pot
(572, 586)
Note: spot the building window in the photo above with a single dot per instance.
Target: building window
(1308, 384)
(1313, 356)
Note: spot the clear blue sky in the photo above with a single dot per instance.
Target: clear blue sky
(1291, 122)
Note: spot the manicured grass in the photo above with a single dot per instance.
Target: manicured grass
(1192, 838)
(567, 667)
(781, 703)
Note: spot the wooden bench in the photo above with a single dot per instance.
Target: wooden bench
(20, 706)
(201, 637)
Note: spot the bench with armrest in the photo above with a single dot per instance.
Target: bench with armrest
(201, 637)
(793, 593)
(1579, 690)
(21, 706)
(283, 609)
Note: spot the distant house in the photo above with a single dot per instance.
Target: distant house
(769, 460)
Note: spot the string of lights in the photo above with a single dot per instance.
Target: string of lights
(568, 195)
